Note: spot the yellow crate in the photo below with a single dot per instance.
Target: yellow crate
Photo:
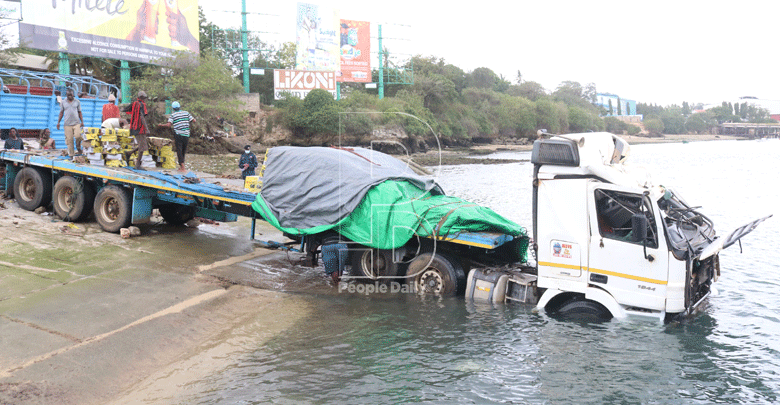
(253, 183)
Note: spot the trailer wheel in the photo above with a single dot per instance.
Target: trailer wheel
(72, 199)
(374, 263)
(581, 309)
(175, 214)
(113, 208)
(32, 188)
(439, 275)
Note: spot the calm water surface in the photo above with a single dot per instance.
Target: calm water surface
(401, 348)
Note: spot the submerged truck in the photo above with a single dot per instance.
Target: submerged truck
(607, 242)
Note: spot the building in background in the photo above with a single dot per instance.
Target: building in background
(619, 106)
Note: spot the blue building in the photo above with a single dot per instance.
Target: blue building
(627, 107)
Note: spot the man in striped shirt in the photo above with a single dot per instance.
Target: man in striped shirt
(180, 121)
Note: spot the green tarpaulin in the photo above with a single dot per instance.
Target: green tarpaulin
(393, 211)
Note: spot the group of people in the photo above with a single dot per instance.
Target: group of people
(72, 119)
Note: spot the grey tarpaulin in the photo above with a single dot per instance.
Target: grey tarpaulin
(312, 186)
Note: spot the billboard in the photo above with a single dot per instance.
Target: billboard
(300, 82)
(355, 51)
(133, 30)
(317, 38)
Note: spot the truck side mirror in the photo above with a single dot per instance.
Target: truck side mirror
(638, 228)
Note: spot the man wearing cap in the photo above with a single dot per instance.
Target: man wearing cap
(138, 126)
(70, 109)
(110, 110)
(247, 163)
(180, 121)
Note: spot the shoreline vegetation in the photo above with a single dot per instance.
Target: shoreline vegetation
(224, 165)
(472, 155)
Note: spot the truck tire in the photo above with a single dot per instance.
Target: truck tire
(32, 188)
(175, 214)
(113, 208)
(443, 276)
(374, 263)
(581, 309)
(72, 199)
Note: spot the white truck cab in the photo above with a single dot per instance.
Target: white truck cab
(608, 242)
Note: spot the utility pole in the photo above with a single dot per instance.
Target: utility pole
(244, 46)
(64, 66)
(381, 66)
(124, 78)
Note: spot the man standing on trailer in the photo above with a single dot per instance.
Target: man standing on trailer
(70, 109)
(138, 126)
(110, 110)
(180, 121)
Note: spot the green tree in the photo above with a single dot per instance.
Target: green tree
(654, 126)
(686, 109)
(581, 120)
(548, 115)
(619, 112)
(435, 89)
(482, 78)
(316, 115)
(529, 89)
(610, 107)
(696, 123)
(674, 122)
(204, 86)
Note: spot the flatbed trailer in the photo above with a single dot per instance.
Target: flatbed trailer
(118, 197)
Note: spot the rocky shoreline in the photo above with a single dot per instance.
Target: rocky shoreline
(472, 155)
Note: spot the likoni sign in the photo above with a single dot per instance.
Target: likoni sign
(300, 82)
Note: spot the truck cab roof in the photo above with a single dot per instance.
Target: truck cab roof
(598, 154)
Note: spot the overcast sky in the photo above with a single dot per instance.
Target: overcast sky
(663, 52)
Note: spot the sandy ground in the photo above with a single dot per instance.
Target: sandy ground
(87, 317)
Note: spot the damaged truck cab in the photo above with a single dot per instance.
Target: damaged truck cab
(608, 242)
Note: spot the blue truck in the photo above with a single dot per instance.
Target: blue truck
(28, 101)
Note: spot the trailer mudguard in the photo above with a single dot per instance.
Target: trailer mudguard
(142, 204)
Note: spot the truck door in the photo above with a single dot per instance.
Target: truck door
(634, 271)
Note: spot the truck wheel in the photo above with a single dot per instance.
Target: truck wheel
(32, 188)
(374, 263)
(113, 208)
(72, 199)
(443, 276)
(175, 214)
(581, 309)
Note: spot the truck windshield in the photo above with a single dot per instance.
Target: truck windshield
(688, 230)
(616, 210)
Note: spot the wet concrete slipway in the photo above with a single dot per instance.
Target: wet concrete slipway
(85, 315)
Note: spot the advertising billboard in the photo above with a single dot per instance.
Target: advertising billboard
(317, 38)
(133, 30)
(300, 82)
(355, 51)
